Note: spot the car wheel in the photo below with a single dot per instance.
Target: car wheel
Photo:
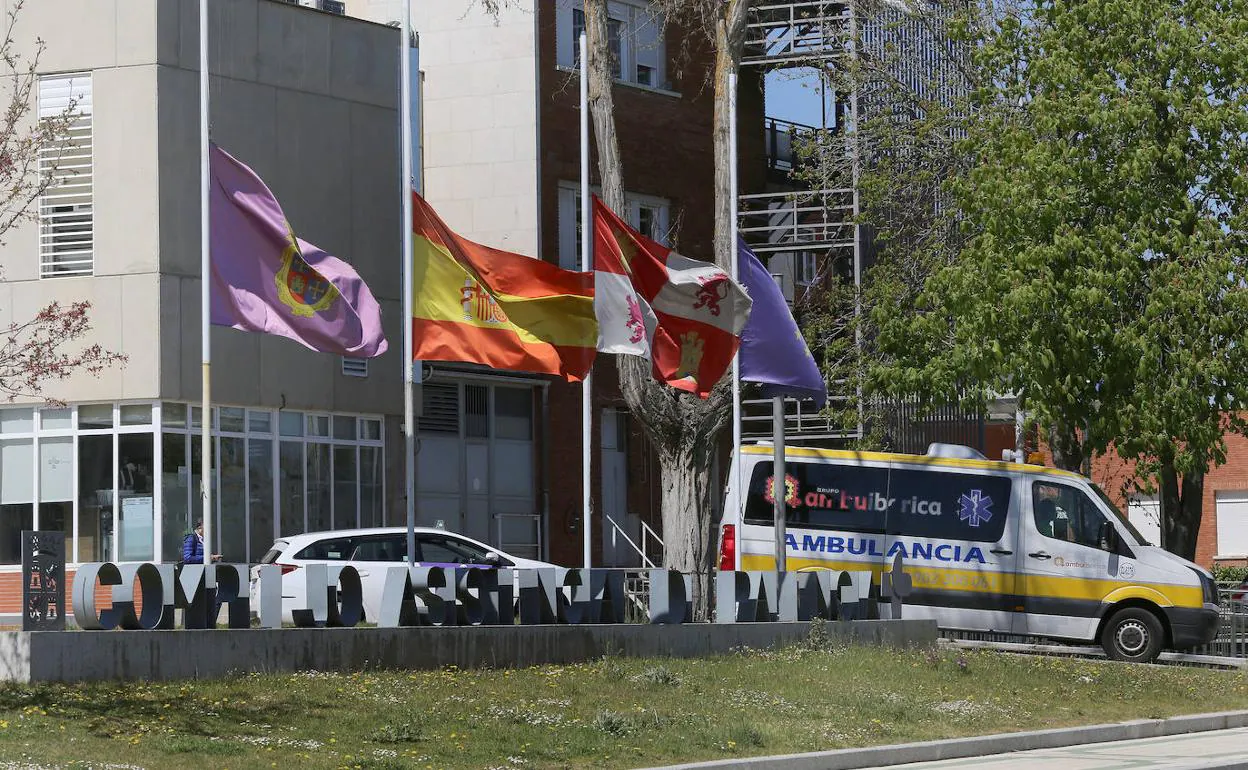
(1132, 634)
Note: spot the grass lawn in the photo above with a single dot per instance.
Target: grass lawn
(614, 712)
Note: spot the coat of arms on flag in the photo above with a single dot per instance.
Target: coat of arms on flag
(301, 288)
(496, 308)
(686, 316)
(265, 279)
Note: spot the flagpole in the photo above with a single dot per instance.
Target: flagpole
(587, 387)
(205, 298)
(409, 365)
(733, 193)
(780, 487)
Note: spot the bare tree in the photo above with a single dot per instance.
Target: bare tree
(682, 428)
(45, 348)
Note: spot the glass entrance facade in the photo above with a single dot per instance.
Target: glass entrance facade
(122, 480)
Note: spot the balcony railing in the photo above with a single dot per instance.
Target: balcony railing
(796, 220)
(780, 33)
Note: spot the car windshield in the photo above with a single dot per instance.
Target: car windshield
(1123, 520)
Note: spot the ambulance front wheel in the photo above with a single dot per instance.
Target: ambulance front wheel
(1133, 634)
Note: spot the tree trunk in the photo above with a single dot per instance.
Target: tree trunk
(1066, 447)
(1182, 503)
(691, 543)
(602, 105)
(682, 428)
(729, 41)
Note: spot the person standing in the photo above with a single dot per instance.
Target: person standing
(193, 553)
(193, 546)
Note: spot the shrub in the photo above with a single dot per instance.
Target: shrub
(1225, 574)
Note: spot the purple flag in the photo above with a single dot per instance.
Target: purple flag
(773, 351)
(264, 279)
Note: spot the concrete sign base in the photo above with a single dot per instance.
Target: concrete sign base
(72, 656)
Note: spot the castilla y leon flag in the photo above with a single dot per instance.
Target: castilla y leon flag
(685, 315)
(266, 280)
(485, 306)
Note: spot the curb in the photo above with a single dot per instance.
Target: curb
(959, 748)
(1094, 653)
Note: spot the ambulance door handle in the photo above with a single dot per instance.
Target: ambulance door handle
(1002, 552)
(1040, 555)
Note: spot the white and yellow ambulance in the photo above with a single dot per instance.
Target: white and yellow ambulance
(990, 546)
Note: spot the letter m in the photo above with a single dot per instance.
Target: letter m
(811, 543)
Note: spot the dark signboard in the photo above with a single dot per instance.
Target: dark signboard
(43, 581)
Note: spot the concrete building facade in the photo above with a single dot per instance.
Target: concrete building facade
(308, 441)
(304, 440)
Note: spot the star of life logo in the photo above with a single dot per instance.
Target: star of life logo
(975, 507)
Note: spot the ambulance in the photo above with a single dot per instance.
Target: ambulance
(990, 546)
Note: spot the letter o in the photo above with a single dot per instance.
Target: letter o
(85, 615)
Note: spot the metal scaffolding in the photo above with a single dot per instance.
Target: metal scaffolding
(792, 220)
(807, 217)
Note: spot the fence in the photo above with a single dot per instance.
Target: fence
(1232, 638)
(1231, 641)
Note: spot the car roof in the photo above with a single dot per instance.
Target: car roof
(909, 459)
(311, 536)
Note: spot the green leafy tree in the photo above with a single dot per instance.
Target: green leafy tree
(1099, 272)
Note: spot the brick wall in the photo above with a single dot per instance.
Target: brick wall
(1116, 477)
(11, 594)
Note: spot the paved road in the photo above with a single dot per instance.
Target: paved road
(1214, 749)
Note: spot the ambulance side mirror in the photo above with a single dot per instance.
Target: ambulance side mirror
(1110, 537)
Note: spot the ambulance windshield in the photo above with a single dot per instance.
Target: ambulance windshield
(1126, 523)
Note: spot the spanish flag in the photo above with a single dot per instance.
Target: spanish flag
(507, 311)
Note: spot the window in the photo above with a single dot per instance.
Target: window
(230, 419)
(95, 416)
(1066, 513)
(805, 268)
(17, 420)
(344, 428)
(66, 207)
(318, 425)
(1231, 509)
(370, 430)
(320, 509)
(634, 35)
(371, 513)
(437, 549)
(513, 413)
(614, 36)
(647, 214)
(382, 548)
(173, 415)
(912, 503)
(290, 423)
(259, 421)
(334, 549)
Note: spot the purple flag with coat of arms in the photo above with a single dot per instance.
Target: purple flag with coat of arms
(264, 279)
(773, 351)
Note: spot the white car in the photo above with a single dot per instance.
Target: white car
(372, 552)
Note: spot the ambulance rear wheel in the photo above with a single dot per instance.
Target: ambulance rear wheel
(1132, 634)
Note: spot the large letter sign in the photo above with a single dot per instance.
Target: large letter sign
(147, 596)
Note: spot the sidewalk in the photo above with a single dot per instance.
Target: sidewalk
(1194, 751)
(1227, 747)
